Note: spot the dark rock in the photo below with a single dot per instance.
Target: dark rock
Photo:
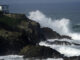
(59, 42)
(50, 34)
(39, 52)
(65, 36)
(72, 58)
(1, 13)
(3, 46)
(13, 39)
(32, 32)
(76, 44)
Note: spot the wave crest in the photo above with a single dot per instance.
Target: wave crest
(62, 26)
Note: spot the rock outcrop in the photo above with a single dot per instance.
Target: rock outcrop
(39, 52)
(50, 34)
(65, 36)
(60, 42)
(20, 35)
(72, 58)
(17, 33)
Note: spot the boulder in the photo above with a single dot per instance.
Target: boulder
(50, 34)
(39, 52)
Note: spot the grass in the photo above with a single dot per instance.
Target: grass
(9, 21)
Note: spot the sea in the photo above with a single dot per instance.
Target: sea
(64, 18)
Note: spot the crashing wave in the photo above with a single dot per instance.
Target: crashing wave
(61, 26)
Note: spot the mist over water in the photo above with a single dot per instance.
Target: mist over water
(62, 26)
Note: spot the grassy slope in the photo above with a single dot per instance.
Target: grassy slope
(9, 21)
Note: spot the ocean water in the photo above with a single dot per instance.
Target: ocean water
(53, 10)
(69, 11)
(17, 57)
(63, 18)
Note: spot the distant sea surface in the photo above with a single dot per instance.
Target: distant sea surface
(54, 10)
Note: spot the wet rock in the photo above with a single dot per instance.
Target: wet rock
(3, 45)
(31, 31)
(72, 58)
(50, 34)
(65, 36)
(39, 52)
(60, 42)
(22, 33)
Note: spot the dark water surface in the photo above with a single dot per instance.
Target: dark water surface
(54, 10)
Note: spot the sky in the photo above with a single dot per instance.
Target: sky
(38, 1)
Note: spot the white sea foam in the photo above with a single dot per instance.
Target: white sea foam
(45, 59)
(62, 26)
(18, 57)
(67, 40)
(54, 59)
(63, 49)
(11, 57)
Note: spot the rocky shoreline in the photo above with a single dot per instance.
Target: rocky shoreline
(20, 35)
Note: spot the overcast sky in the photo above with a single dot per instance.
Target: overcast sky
(38, 1)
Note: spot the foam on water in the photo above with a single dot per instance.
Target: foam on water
(61, 26)
(18, 57)
(54, 59)
(11, 57)
(63, 49)
(46, 59)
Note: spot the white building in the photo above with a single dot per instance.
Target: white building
(0, 8)
(4, 8)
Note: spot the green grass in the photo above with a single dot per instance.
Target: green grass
(9, 21)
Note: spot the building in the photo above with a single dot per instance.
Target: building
(4, 9)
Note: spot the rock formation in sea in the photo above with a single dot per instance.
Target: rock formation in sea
(20, 35)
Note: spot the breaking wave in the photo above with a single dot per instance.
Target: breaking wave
(17, 57)
(62, 26)
(67, 50)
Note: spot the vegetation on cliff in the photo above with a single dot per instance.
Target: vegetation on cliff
(39, 51)
(20, 35)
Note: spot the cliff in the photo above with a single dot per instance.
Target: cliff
(20, 35)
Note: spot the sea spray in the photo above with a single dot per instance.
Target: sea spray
(17, 57)
(67, 50)
(62, 26)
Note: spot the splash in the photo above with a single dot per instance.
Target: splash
(11, 57)
(62, 26)
(63, 49)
